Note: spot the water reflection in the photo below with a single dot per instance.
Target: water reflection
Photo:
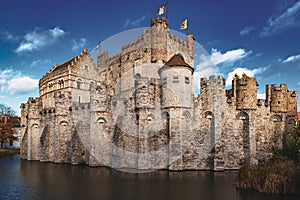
(21, 179)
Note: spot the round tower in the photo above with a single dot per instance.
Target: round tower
(177, 83)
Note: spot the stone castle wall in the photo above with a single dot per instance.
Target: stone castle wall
(133, 111)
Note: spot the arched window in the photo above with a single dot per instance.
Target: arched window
(150, 117)
(60, 84)
(79, 82)
(276, 118)
(91, 84)
(64, 123)
(209, 115)
(101, 120)
(242, 116)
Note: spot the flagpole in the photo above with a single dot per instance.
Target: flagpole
(187, 26)
(167, 6)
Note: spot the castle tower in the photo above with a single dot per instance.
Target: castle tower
(245, 89)
(177, 102)
(159, 32)
(213, 106)
(177, 83)
(33, 127)
(277, 98)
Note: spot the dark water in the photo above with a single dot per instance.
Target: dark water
(21, 179)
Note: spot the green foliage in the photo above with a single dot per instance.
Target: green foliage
(245, 76)
(9, 151)
(291, 148)
(236, 76)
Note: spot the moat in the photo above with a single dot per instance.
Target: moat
(21, 179)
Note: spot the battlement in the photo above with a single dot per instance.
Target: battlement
(281, 99)
(155, 45)
(159, 23)
(32, 100)
(212, 80)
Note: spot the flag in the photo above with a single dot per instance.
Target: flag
(162, 9)
(184, 25)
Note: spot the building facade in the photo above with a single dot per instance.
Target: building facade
(137, 110)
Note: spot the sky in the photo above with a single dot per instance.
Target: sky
(259, 38)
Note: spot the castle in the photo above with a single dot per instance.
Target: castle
(137, 110)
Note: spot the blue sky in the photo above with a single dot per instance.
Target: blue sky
(261, 38)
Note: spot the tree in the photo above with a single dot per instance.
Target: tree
(8, 125)
(6, 110)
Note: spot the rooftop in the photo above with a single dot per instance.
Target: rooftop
(177, 60)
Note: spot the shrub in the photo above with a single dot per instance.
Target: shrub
(275, 177)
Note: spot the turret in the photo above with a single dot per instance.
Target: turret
(159, 23)
(282, 100)
(159, 31)
(212, 92)
(177, 83)
(246, 92)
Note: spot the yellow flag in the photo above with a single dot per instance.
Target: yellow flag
(184, 25)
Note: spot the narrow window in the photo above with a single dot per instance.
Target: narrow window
(175, 79)
(187, 80)
(79, 83)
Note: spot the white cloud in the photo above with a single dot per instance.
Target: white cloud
(218, 58)
(292, 59)
(239, 71)
(261, 95)
(38, 39)
(246, 31)
(2, 97)
(81, 43)
(10, 36)
(230, 56)
(14, 82)
(22, 85)
(56, 32)
(7, 74)
(134, 23)
(40, 63)
(290, 18)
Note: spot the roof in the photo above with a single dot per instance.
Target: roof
(65, 64)
(298, 116)
(177, 60)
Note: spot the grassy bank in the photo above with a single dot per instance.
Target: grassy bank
(279, 175)
(9, 151)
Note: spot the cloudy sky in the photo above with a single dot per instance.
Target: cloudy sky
(261, 38)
